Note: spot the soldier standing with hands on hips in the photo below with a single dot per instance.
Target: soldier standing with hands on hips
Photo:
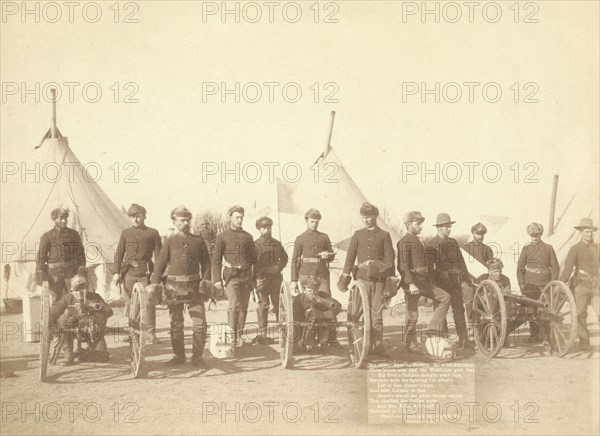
(133, 260)
(188, 260)
(232, 261)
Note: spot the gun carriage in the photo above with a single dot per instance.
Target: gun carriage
(497, 314)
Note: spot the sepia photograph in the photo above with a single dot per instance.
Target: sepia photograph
(342, 217)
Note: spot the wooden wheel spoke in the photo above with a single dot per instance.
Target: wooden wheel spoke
(483, 304)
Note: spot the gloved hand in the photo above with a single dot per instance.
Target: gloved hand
(219, 285)
(294, 288)
(344, 282)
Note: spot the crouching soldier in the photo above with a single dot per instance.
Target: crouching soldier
(87, 310)
(495, 266)
(271, 260)
(319, 310)
(188, 260)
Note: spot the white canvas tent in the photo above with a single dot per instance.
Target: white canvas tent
(338, 199)
(63, 182)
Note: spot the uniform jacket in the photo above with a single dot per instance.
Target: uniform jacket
(137, 244)
(445, 262)
(271, 257)
(411, 257)
(367, 245)
(185, 254)
(61, 246)
(582, 257)
(236, 247)
(306, 259)
(538, 256)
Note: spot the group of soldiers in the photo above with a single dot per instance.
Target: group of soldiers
(238, 264)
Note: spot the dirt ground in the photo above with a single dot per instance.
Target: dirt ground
(253, 394)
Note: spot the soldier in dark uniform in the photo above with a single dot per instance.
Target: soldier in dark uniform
(447, 268)
(311, 256)
(133, 260)
(481, 253)
(494, 273)
(412, 265)
(189, 262)
(271, 260)
(537, 265)
(583, 258)
(232, 263)
(372, 248)
(60, 255)
(61, 314)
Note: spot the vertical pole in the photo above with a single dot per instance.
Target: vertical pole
(553, 205)
(328, 145)
(53, 133)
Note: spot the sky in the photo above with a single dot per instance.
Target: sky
(164, 116)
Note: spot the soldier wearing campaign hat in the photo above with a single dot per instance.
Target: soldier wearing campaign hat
(581, 270)
(133, 260)
(232, 261)
(412, 265)
(478, 252)
(371, 247)
(311, 257)
(59, 256)
(188, 260)
(271, 260)
(537, 265)
(447, 269)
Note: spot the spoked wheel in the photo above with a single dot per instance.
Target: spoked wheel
(491, 318)
(285, 325)
(562, 316)
(137, 328)
(359, 325)
(45, 335)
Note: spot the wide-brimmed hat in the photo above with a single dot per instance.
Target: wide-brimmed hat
(443, 219)
(586, 223)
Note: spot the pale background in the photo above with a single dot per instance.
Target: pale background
(369, 53)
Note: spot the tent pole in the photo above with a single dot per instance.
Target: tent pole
(553, 205)
(53, 92)
(328, 145)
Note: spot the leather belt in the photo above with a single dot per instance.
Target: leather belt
(228, 265)
(137, 264)
(536, 270)
(311, 259)
(420, 269)
(61, 265)
(189, 278)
